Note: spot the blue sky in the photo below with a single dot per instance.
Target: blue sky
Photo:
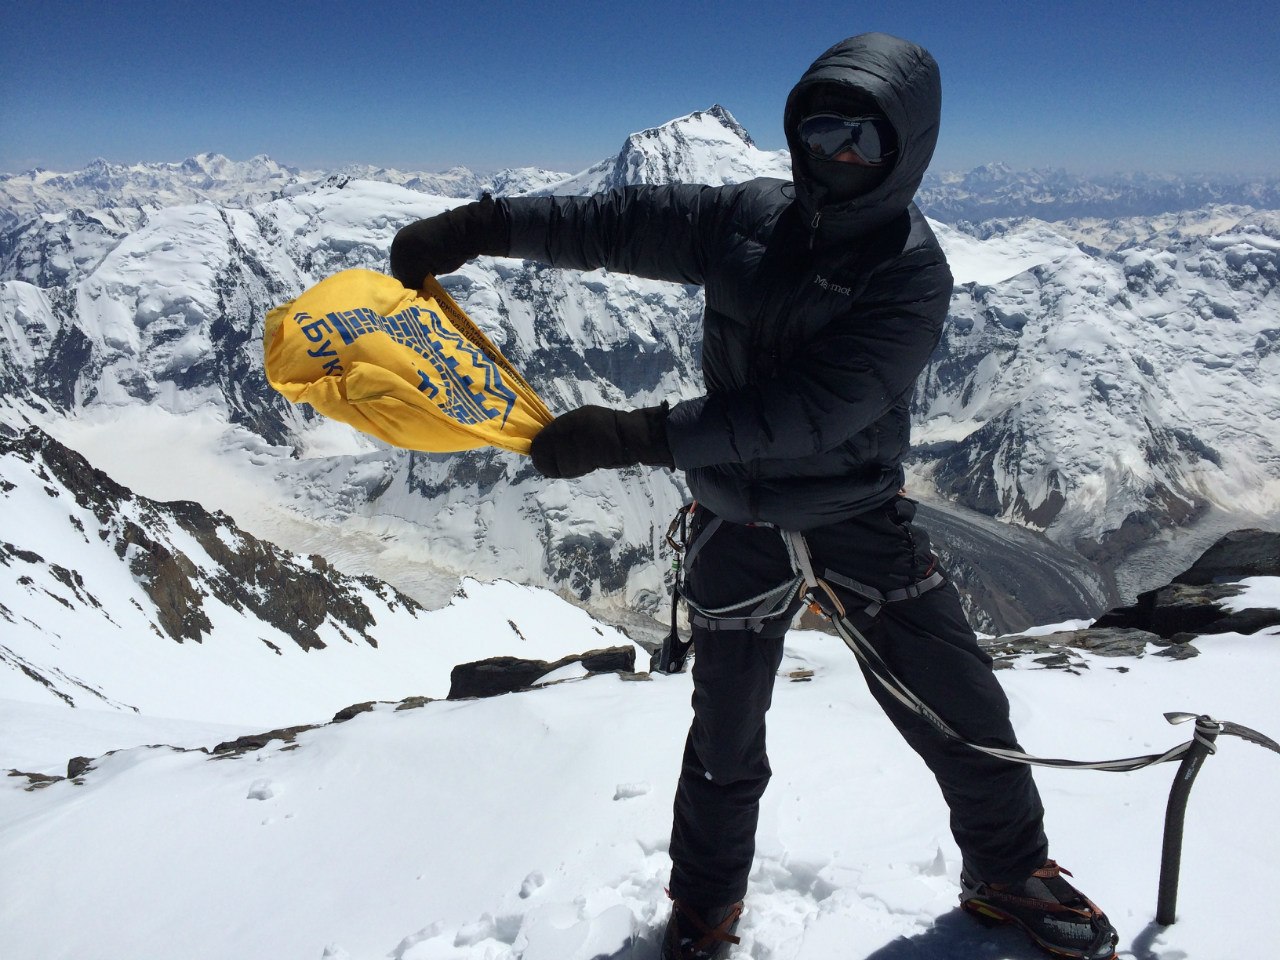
(1088, 86)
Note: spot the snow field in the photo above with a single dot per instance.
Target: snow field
(521, 827)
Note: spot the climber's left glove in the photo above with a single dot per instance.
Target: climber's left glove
(443, 243)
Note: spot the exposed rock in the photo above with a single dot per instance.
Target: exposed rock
(1060, 661)
(296, 595)
(170, 579)
(1055, 649)
(1245, 621)
(346, 713)
(35, 780)
(498, 675)
(256, 741)
(1191, 605)
(413, 703)
(1109, 643)
(77, 766)
(1239, 554)
(1172, 616)
(9, 658)
(1177, 608)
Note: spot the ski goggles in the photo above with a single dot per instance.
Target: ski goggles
(827, 135)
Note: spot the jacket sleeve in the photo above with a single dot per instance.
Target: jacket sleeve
(839, 383)
(659, 232)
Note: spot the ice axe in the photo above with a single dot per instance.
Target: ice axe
(1202, 745)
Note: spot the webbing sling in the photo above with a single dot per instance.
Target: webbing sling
(760, 609)
(820, 591)
(878, 599)
(675, 650)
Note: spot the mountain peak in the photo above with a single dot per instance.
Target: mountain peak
(731, 122)
(707, 146)
(714, 124)
(717, 114)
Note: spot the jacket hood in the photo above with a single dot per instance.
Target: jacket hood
(902, 79)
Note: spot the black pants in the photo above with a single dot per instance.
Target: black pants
(996, 814)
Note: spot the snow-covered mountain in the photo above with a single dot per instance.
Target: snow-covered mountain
(709, 146)
(1103, 235)
(1105, 399)
(1104, 396)
(131, 191)
(995, 190)
(458, 182)
(111, 600)
(674, 152)
(170, 318)
(1107, 383)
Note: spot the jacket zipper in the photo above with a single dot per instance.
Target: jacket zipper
(756, 344)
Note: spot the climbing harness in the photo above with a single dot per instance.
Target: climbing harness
(752, 615)
(823, 599)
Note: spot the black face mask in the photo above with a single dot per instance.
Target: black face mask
(844, 181)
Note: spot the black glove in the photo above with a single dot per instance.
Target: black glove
(591, 438)
(443, 243)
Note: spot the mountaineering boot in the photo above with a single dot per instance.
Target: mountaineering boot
(700, 933)
(1054, 914)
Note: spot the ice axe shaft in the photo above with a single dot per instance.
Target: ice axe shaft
(1207, 730)
(1202, 745)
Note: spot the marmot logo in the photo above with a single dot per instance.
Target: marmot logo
(830, 287)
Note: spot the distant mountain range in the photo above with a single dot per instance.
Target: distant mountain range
(995, 191)
(122, 195)
(658, 155)
(1106, 384)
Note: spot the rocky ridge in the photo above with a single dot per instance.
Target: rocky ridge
(1175, 618)
(183, 560)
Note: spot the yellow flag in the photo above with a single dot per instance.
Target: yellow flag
(408, 368)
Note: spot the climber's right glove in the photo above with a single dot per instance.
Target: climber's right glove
(594, 438)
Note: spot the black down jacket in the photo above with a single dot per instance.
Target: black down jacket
(819, 317)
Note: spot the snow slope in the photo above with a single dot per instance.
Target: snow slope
(534, 826)
(111, 600)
